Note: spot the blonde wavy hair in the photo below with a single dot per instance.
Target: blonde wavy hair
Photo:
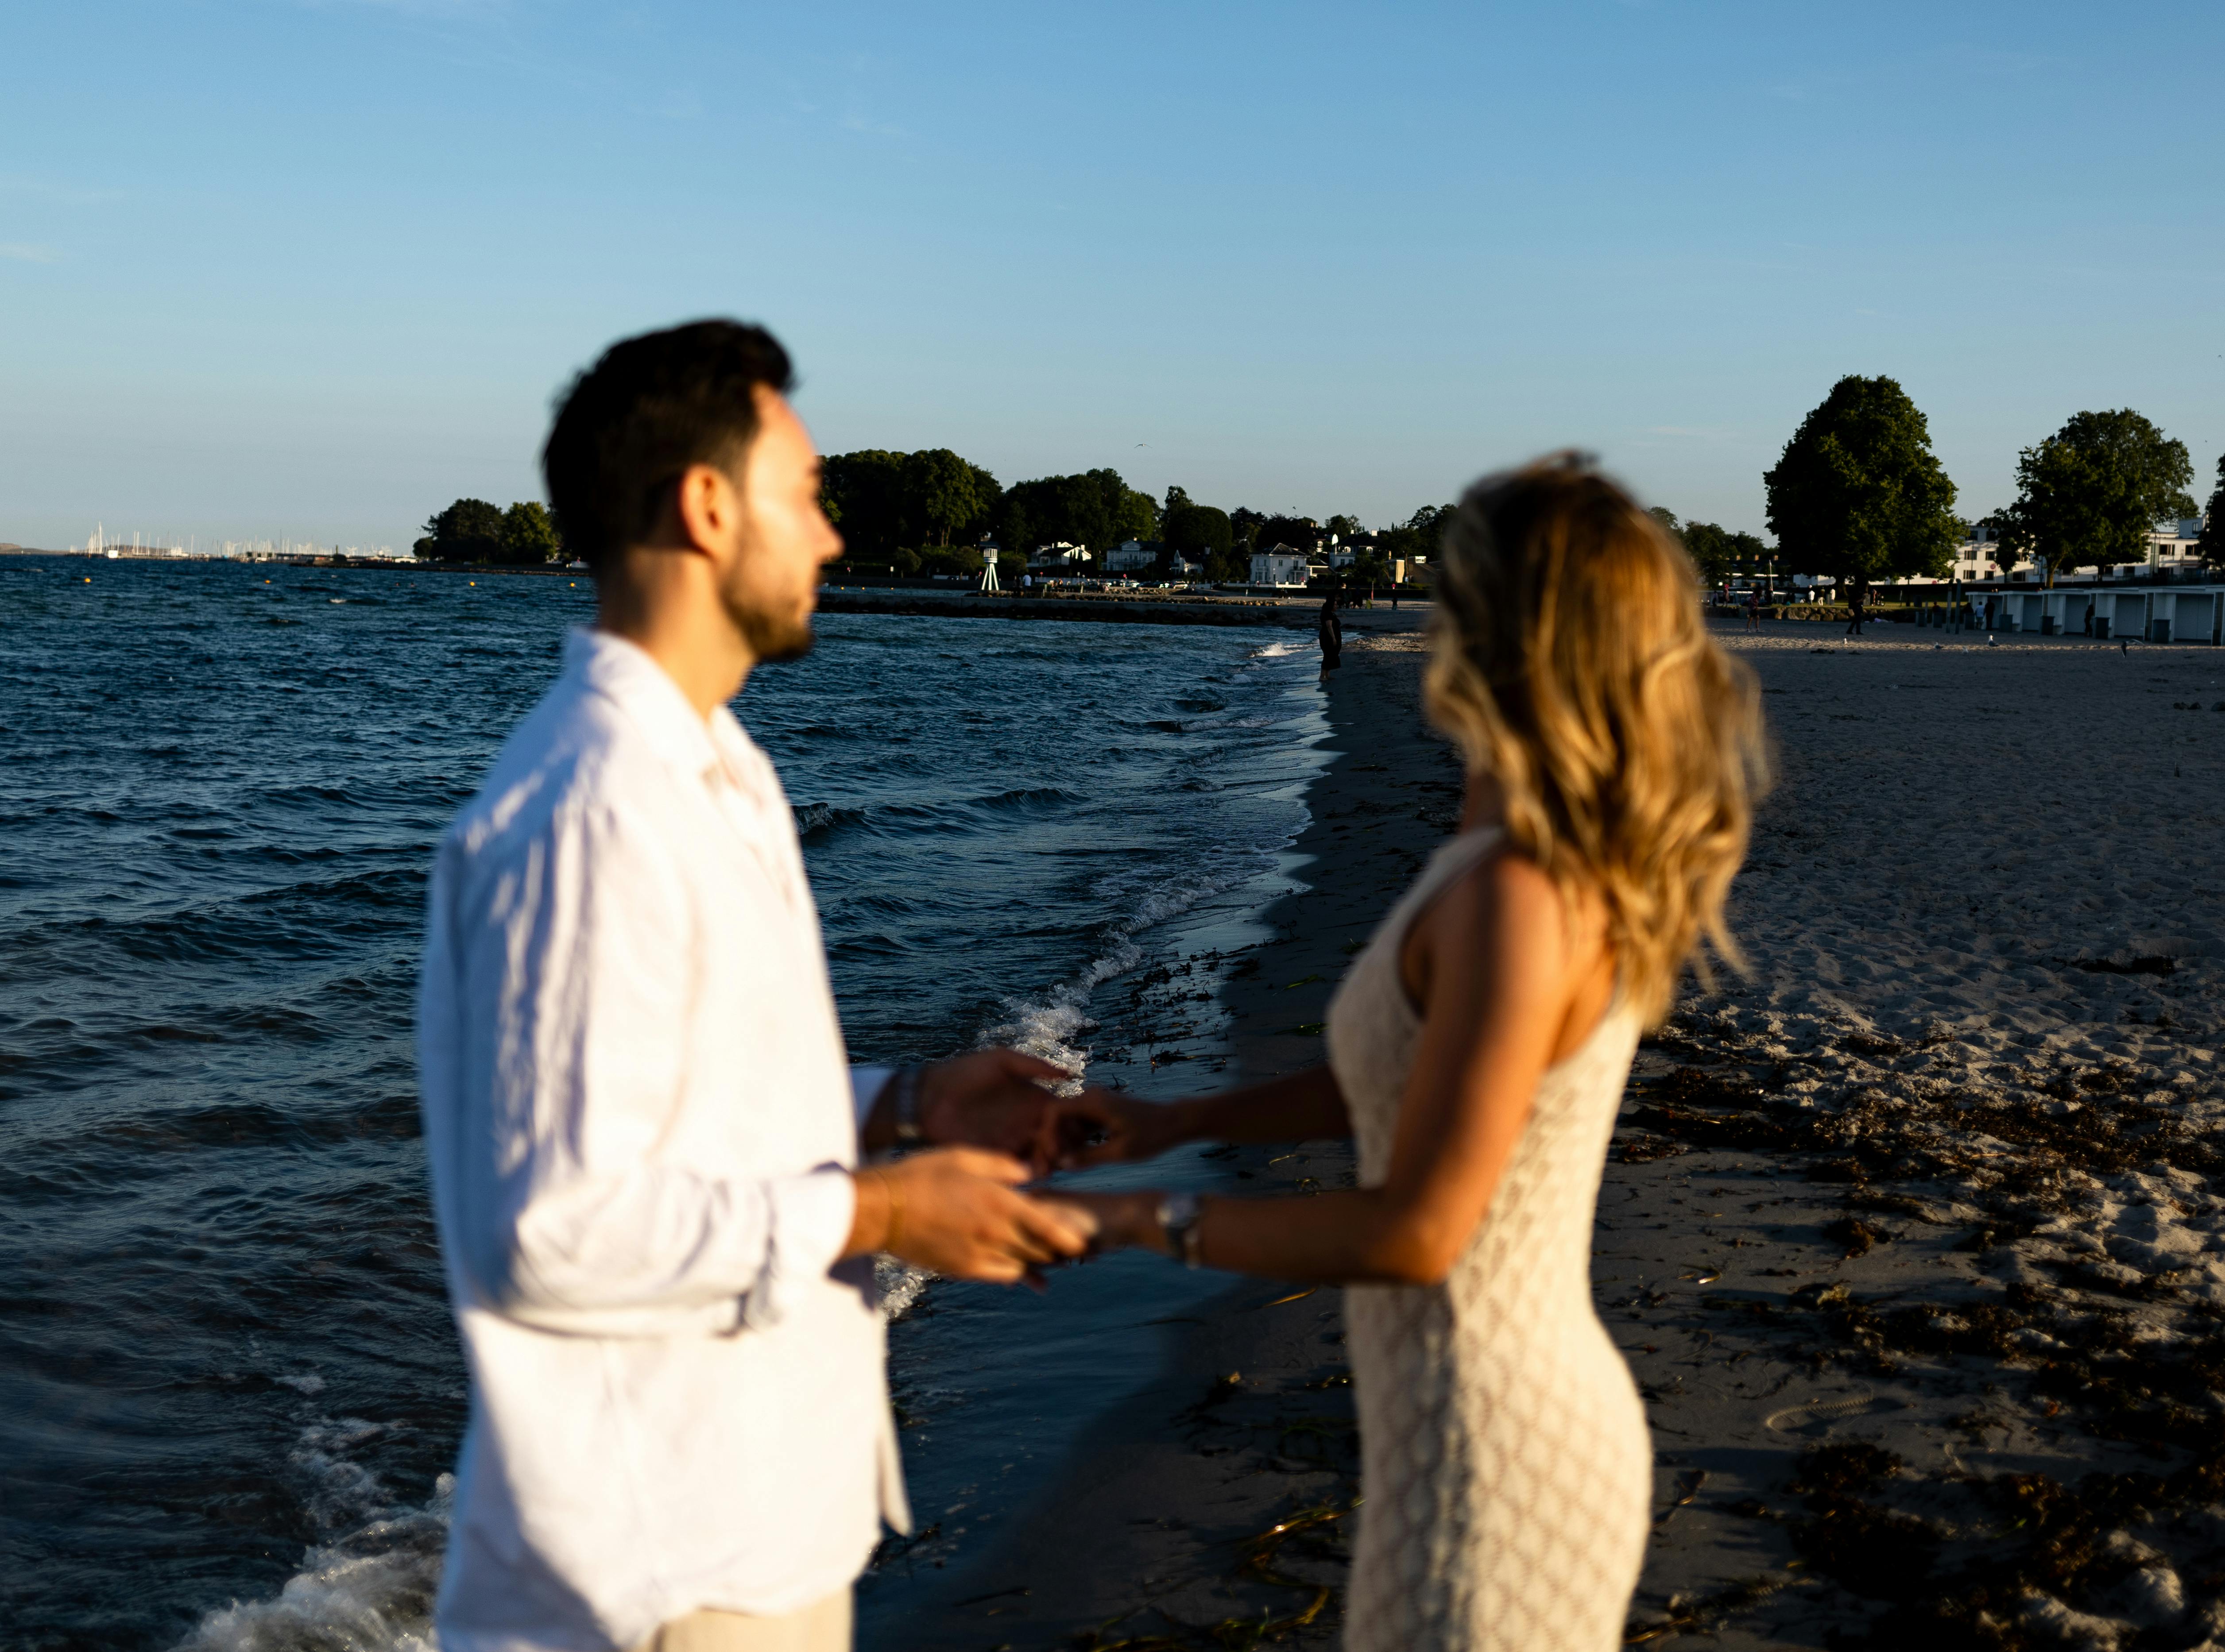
(1570, 659)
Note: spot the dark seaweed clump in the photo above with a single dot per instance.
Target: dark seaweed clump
(1959, 1569)
(2015, 1535)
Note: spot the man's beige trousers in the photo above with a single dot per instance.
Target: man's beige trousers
(822, 1627)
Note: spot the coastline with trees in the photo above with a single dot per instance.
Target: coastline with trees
(1856, 499)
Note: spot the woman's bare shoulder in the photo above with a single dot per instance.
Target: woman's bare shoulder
(1505, 910)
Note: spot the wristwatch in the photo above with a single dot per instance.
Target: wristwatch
(1178, 1222)
(906, 1084)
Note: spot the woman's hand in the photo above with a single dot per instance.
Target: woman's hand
(1115, 1221)
(1105, 1127)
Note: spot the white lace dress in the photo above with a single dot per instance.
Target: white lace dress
(1503, 1456)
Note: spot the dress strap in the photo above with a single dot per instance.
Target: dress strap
(1454, 856)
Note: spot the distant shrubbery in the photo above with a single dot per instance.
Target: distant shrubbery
(471, 530)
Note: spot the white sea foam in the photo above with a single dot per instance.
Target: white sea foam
(899, 1283)
(1051, 1027)
(371, 1591)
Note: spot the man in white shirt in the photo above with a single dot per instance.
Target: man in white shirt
(643, 1133)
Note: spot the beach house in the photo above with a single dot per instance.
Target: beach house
(1280, 567)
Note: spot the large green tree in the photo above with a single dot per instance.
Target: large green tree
(1095, 509)
(943, 494)
(529, 535)
(1299, 533)
(470, 530)
(1198, 531)
(862, 493)
(2092, 491)
(1858, 493)
(884, 502)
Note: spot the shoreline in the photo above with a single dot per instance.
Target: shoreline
(1158, 1524)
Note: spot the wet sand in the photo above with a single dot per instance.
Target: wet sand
(1910, 1236)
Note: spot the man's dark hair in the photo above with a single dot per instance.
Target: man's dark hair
(653, 406)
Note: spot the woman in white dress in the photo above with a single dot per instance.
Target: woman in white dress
(1477, 1051)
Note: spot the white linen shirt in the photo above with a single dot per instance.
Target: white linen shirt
(640, 1118)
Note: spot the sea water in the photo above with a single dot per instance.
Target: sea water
(230, 1393)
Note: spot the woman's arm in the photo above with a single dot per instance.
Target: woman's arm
(1305, 1106)
(1500, 973)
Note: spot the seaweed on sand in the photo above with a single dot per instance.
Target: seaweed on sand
(2017, 1152)
(1259, 1558)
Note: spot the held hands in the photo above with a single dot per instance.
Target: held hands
(1115, 1221)
(997, 1098)
(956, 1211)
(1105, 1127)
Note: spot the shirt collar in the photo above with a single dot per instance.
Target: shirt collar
(625, 673)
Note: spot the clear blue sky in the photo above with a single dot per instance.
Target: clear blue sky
(316, 268)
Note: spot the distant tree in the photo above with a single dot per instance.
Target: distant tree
(469, 530)
(1858, 493)
(2092, 491)
(1708, 545)
(1135, 514)
(1095, 509)
(529, 535)
(1199, 532)
(942, 494)
(1176, 498)
(1299, 533)
(1344, 526)
(1368, 569)
(1667, 518)
(862, 493)
(2213, 529)
(1418, 538)
(1244, 531)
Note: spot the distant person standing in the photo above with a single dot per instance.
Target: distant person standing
(1330, 630)
(1855, 623)
(1754, 608)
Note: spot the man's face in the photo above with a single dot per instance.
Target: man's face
(771, 585)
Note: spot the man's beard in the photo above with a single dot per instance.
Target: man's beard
(772, 637)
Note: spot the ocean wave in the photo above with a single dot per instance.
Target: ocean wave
(1050, 1027)
(371, 1590)
(819, 820)
(899, 1284)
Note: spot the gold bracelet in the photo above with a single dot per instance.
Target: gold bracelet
(894, 1236)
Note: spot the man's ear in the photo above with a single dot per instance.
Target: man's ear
(709, 506)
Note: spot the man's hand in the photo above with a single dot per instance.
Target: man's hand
(995, 1099)
(1105, 1127)
(954, 1211)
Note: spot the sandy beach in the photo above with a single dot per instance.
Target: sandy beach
(1908, 1235)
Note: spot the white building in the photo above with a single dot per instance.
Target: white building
(1279, 565)
(1133, 556)
(1982, 558)
(1058, 557)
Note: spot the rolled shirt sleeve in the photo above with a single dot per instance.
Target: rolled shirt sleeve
(574, 1216)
